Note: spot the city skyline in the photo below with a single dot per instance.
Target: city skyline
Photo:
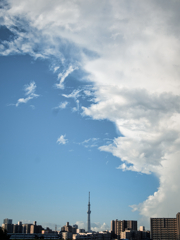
(87, 229)
(90, 102)
(160, 228)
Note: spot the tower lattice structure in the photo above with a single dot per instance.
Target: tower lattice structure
(88, 216)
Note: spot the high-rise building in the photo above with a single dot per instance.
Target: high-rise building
(119, 226)
(88, 216)
(26, 228)
(7, 221)
(165, 228)
(75, 226)
(67, 228)
(178, 225)
(7, 225)
(66, 235)
(141, 228)
(15, 228)
(34, 228)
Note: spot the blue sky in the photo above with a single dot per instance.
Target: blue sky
(89, 98)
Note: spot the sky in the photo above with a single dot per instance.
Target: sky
(89, 101)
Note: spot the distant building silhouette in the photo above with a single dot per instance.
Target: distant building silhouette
(69, 228)
(35, 228)
(119, 226)
(21, 228)
(66, 235)
(141, 228)
(7, 225)
(7, 221)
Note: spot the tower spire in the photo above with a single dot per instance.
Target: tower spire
(88, 216)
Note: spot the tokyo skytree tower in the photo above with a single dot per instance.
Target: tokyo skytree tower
(88, 216)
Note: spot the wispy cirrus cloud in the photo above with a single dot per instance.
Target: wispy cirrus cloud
(62, 105)
(74, 94)
(29, 92)
(76, 109)
(55, 69)
(62, 140)
(64, 75)
(84, 93)
(90, 142)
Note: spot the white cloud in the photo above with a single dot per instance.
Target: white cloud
(142, 120)
(62, 140)
(74, 94)
(55, 69)
(62, 105)
(29, 92)
(133, 61)
(98, 227)
(95, 226)
(81, 224)
(150, 141)
(76, 109)
(87, 93)
(63, 76)
(91, 142)
(30, 89)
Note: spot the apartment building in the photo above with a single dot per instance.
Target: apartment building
(165, 228)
